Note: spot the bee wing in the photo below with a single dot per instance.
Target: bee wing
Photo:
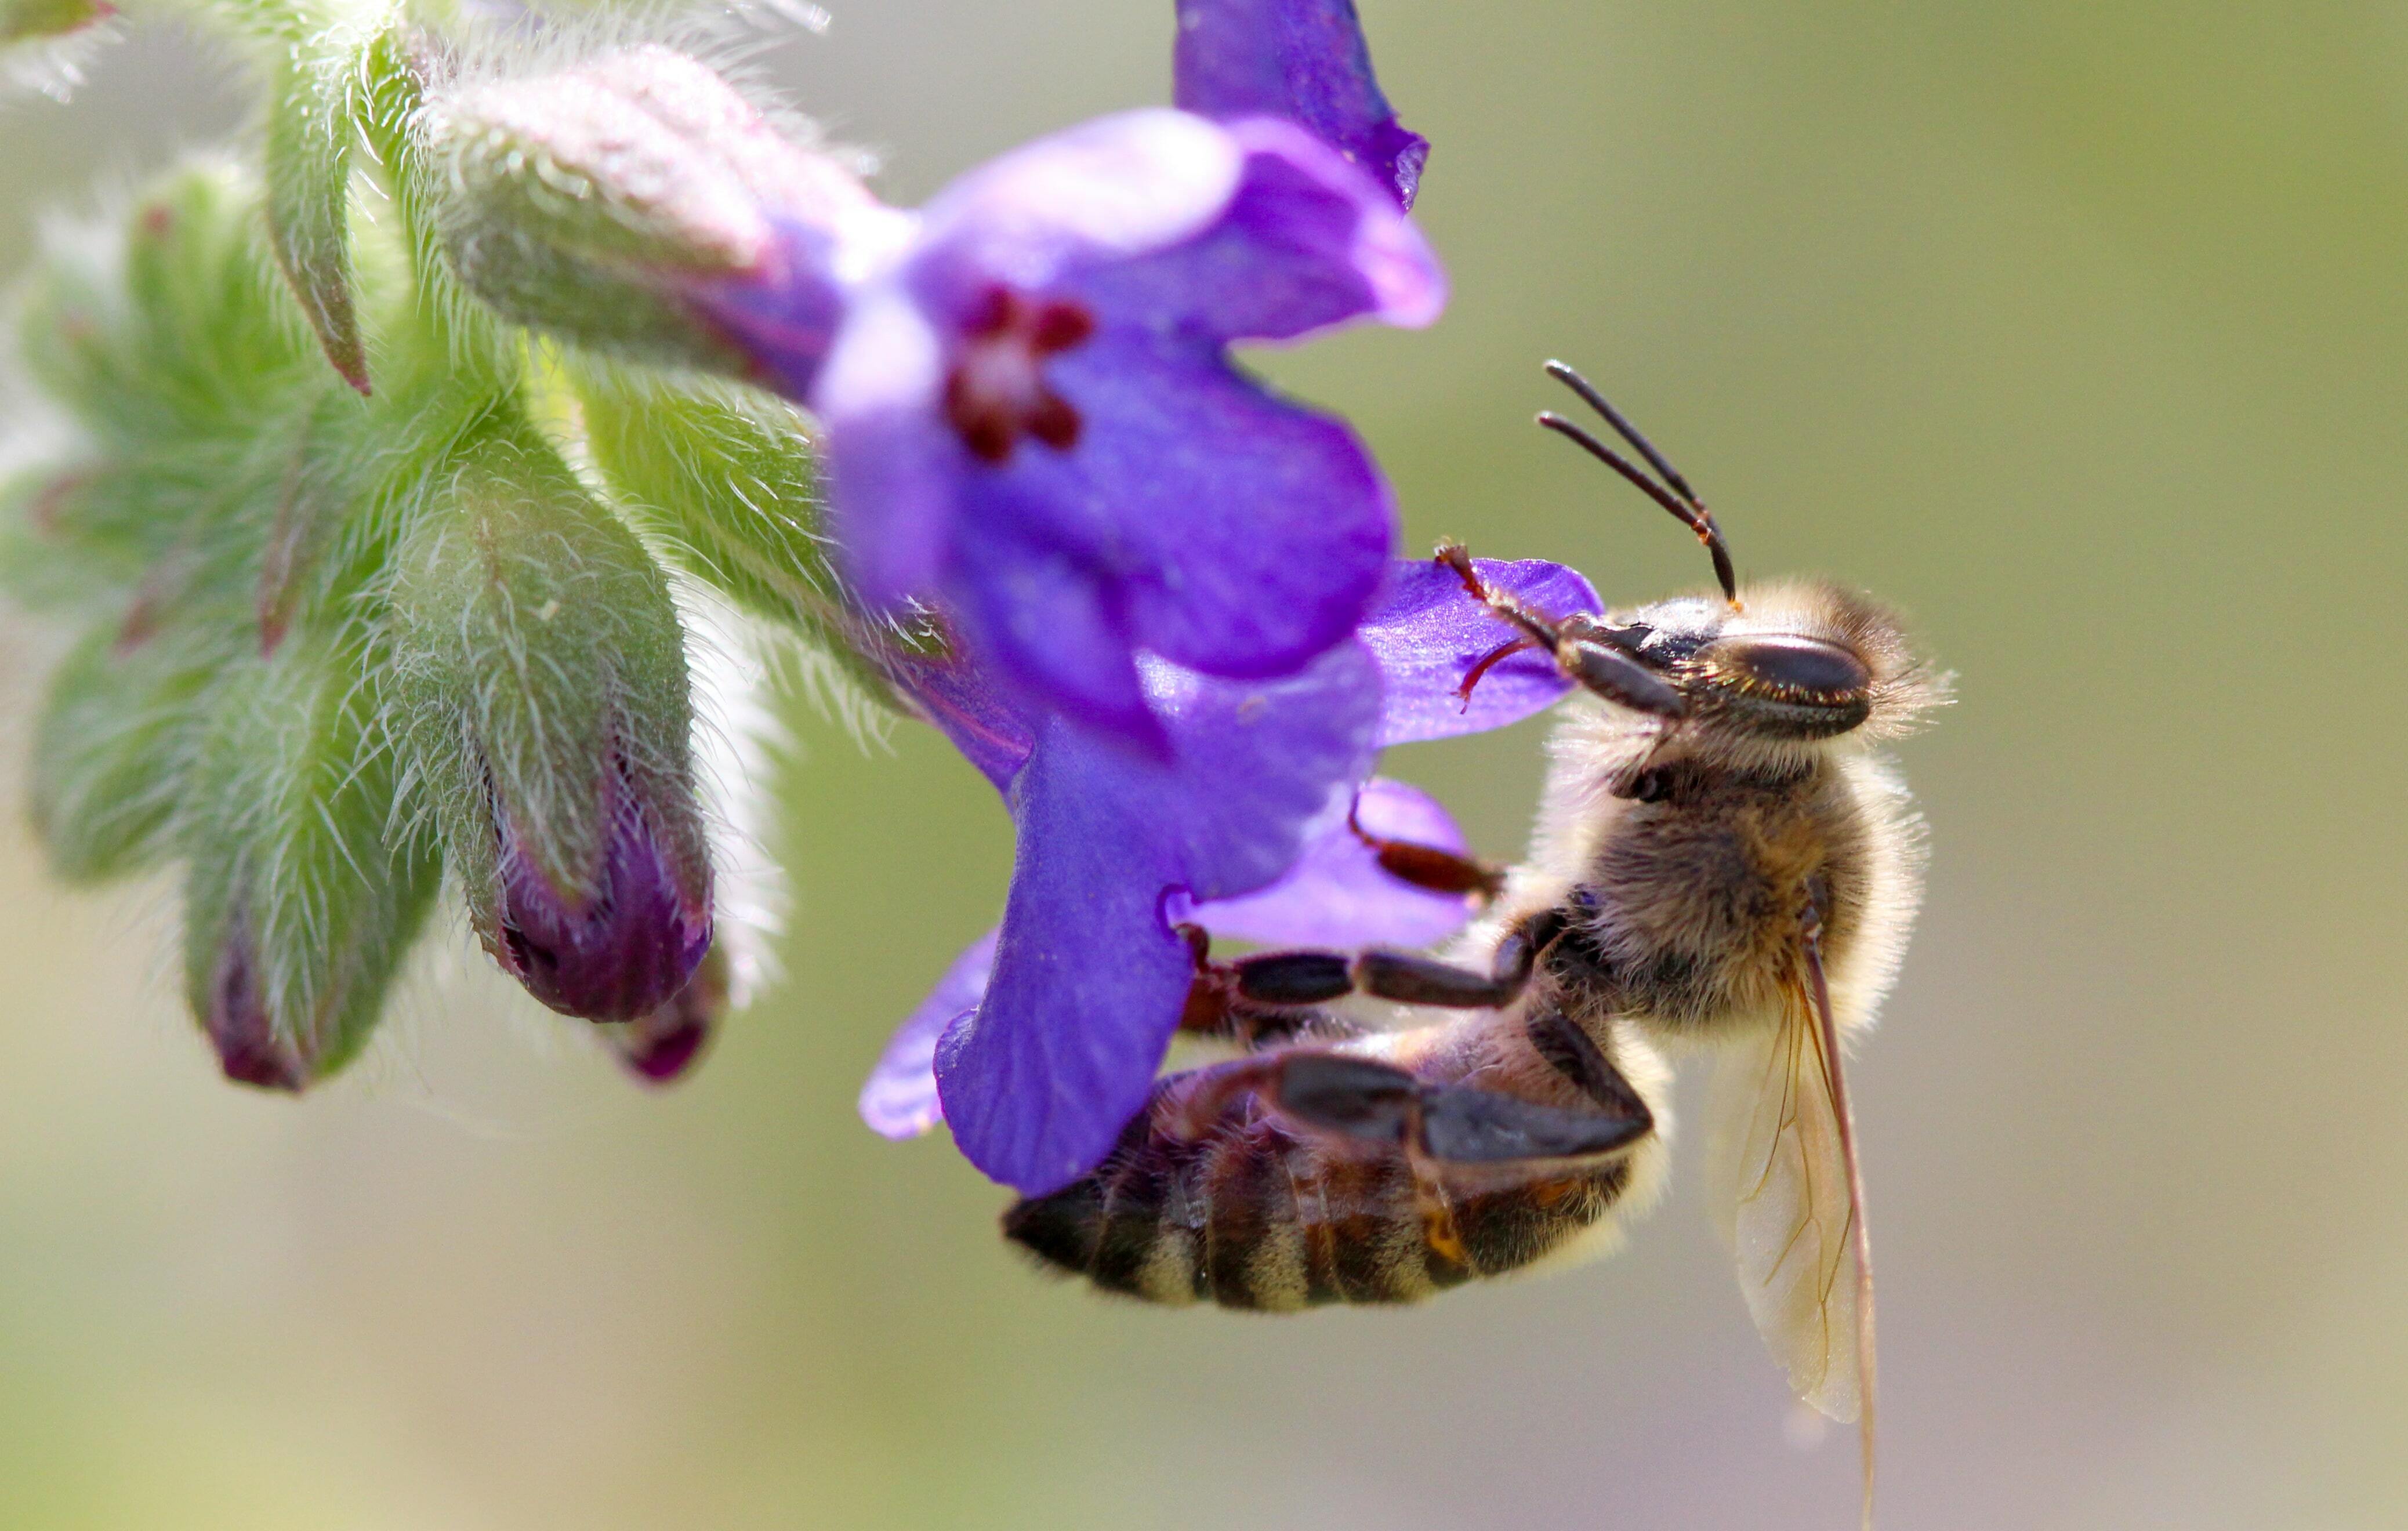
(1790, 1197)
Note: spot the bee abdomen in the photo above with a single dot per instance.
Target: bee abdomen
(1256, 1216)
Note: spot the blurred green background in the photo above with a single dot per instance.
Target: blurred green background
(2078, 330)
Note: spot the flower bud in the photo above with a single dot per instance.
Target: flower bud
(297, 910)
(539, 673)
(615, 201)
(663, 1047)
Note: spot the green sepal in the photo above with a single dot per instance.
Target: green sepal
(538, 670)
(114, 745)
(313, 107)
(305, 881)
(174, 328)
(722, 477)
(724, 480)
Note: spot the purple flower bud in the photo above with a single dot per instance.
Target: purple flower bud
(540, 671)
(627, 201)
(616, 948)
(251, 1049)
(299, 902)
(662, 1046)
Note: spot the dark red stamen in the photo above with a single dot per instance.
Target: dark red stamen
(996, 392)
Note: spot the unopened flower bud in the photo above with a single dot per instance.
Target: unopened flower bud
(541, 679)
(618, 202)
(297, 910)
(663, 1047)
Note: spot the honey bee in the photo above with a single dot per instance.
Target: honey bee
(1720, 864)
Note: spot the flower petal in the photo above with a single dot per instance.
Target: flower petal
(966, 707)
(1247, 535)
(1306, 241)
(1257, 763)
(1087, 986)
(1089, 977)
(1053, 633)
(899, 1100)
(1337, 894)
(1428, 634)
(1303, 60)
(1118, 186)
(891, 460)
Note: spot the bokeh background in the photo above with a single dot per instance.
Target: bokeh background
(2078, 330)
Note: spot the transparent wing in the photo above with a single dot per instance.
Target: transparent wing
(1786, 1187)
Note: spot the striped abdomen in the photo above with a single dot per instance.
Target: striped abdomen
(1257, 1213)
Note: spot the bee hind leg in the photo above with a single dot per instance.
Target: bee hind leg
(1456, 1139)
(1373, 1102)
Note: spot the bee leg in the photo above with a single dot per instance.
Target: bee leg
(1295, 979)
(1587, 652)
(1485, 1141)
(1427, 867)
(1216, 1008)
(1573, 1053)
(1366, 1099)
(1488, 1139)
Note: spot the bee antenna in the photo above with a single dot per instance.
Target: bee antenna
(1679, 499)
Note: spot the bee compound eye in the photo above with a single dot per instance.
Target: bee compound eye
(1793, 668)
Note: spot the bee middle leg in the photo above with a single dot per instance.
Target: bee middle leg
(1217, 1008)
(1307, 978)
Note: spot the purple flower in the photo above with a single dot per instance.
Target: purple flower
(1303, 60)
(1043, 1037)
(899, 1099)
(1335, 893)
(1106, 838)
(1033, 421)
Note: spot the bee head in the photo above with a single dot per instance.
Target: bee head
(1794, 662)
(1778, 666)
